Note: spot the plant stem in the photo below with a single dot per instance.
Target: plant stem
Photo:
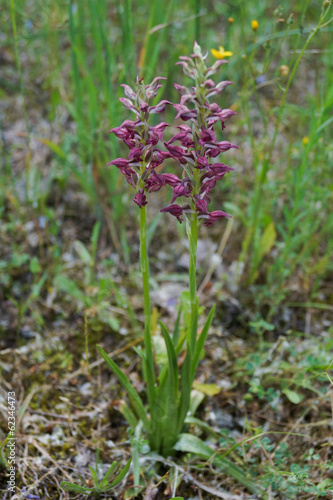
(149, 359)
(192, 232)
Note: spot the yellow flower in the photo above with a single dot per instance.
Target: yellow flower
(305, 140)
(254, 25)
(221, 53)
(230, 20)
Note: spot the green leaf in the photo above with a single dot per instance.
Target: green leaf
(65, 485)
(202, 425)
(121, 475)
(69, 286)
(169, 421)
(34, 265)
(196, 399)
(132, 393)
(207, 389)
(201, 340)
(83, 252)
(293, 396)
(185, 388)
(325, 484)
(192, 444)
(176, 330)
(54, 147)
(126, 411)
(267, 240)
(172, 360)
(36, 289)
(106, 479)
(94, 477)
(94, 239)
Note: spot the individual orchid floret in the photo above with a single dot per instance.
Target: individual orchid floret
(199, 145)
(140, 198)
(177, 210)
(142, 139)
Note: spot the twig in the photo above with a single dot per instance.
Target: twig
(32, 441)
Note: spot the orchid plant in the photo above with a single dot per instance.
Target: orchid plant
(195, 149)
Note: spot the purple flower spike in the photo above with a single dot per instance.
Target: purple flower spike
(142, 140)
(199, 144)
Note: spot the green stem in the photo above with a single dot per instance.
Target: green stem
(192, 232)
(149, 359)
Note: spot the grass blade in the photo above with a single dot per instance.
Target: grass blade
(108, 475)
(132, 393)
(193, 444)
(121, 475)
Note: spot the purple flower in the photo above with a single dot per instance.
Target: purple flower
(175, 151)
(135, 154)
(183, 189)
(175, 210)
(119, 162)
(214, 216)
(170, 179)
(219, 168)
(184, 112)
(201, 206)
(215, 148)
(128, 104)
(140, 198)
(159, 108)
(206, 136)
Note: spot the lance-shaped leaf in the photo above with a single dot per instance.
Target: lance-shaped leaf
(132, 393)
(193, 444)
(201, 341)
(121, 475)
